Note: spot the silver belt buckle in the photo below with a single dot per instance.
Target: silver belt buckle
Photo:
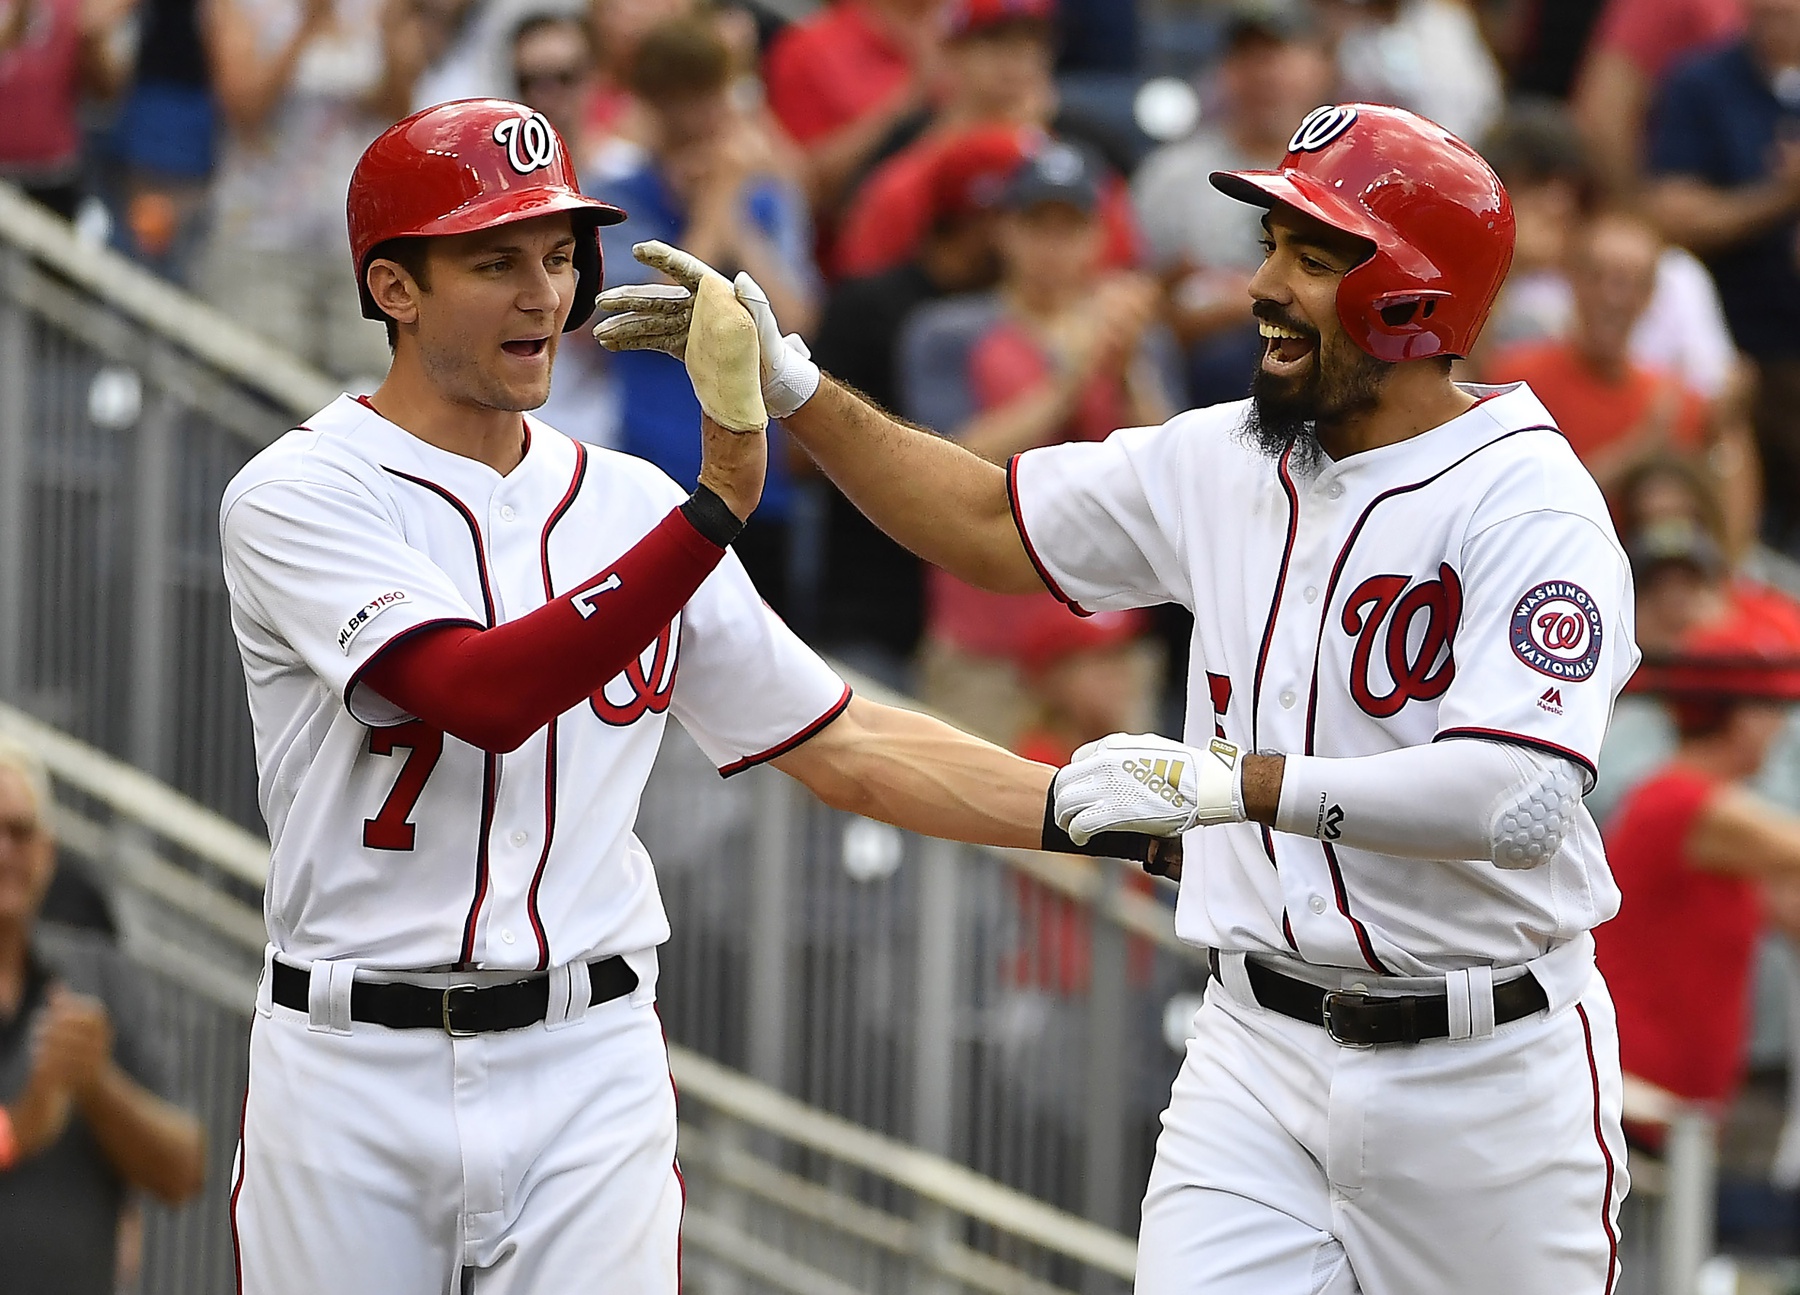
(1332, 997)
(449, 1026)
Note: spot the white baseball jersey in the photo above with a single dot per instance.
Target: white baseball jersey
(1466, 582)
(397, 846)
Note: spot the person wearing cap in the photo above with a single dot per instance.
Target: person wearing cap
(1274, 67)
(999, 59)
(1061, 350)
(871, 600)
(1693, 849)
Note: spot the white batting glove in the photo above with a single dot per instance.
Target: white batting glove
(1129, 782)
(656, 316)
(789, 375)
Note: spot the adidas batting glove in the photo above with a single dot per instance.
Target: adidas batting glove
(1145, 783)
(789, 375)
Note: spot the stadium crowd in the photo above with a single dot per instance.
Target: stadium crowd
(993, 217)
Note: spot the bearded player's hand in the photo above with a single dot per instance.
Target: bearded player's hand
(659, 317)
(1145, 783)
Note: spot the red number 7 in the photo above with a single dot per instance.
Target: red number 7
(389, 829)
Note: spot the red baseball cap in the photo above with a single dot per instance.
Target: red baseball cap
(1751, 653)
(967, 16)
(971, 169)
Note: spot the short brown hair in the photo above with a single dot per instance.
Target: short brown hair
(411, 255)
(682, 58)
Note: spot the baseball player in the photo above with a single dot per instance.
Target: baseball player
(463, 634)
(1411, 620)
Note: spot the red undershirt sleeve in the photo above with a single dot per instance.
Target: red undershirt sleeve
(494, 688)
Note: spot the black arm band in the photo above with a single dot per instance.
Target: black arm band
(1136, 846)
(709, 515)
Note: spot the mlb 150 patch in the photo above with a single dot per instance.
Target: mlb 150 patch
(1556, 630)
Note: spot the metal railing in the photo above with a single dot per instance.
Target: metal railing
(1008, 1014)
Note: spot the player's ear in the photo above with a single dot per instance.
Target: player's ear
(395, 290)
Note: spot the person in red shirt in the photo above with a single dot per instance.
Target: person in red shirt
(998, 76)
(1086, 677)
(1692, 848)
(1614, 412)
(53, 53)
(839, 81)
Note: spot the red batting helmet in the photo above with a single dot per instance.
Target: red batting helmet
(1437, 214)
(473, 164)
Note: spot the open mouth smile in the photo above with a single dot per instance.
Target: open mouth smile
(1287, 350)
(526, 348)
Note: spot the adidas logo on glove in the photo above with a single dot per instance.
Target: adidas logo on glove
(1163, 777)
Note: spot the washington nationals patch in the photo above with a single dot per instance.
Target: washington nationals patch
(1556, 630)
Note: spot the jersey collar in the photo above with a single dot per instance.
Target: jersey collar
(1499, 411)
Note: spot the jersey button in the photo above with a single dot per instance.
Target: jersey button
(1316, 903)
(507, 936)
(1335, 490)
(519, 838)
(1287, 700)
(507, 513)
(1312, 593)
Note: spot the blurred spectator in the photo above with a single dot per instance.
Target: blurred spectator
(870, 604)
(840, 80)
(1690, 848)
(708, 183)
(463, 46)
(1538, 154)
(1275, 69)
(1635, 45)
(1426, 55)
(1726, 183)
(1541, 43)
(1613, 411)
(1085, 677)
(303, 86)
(618, 26)
(53, 54)
(553, 70)
(165, 137)
(1063, 350)
(998, 60)
(83, 1074)
(1678, 575)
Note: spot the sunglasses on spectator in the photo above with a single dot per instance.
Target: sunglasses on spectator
(559, 78)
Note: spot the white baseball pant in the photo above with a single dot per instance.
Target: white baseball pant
(538, 1161)
(1290, 1165)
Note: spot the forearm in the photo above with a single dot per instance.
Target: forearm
(151, 1144)
(1741, 834)
(929, 494)
(832, 161)
(1706, 220)
(1462, 799)
(922, 775)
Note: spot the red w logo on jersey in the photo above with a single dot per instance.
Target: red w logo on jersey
(643, 687)
(1420, 667)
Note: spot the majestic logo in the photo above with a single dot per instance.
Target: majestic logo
(1419, 664)
(368, 612)
(530, 143)
(1162, 777)
(1556, 631)
(1320, 127)
(643, 687)
(1552, 700)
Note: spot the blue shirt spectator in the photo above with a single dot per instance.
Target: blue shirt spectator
(1718, 123)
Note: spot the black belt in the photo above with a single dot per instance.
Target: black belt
(459, 1010)
(1363, 1020)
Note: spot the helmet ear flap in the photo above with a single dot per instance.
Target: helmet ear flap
(588, 273)
(1394, 325)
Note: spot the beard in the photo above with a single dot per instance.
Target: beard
(1286, 414)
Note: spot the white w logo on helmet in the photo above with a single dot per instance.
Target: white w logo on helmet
(1320, 127)
(529, 141)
